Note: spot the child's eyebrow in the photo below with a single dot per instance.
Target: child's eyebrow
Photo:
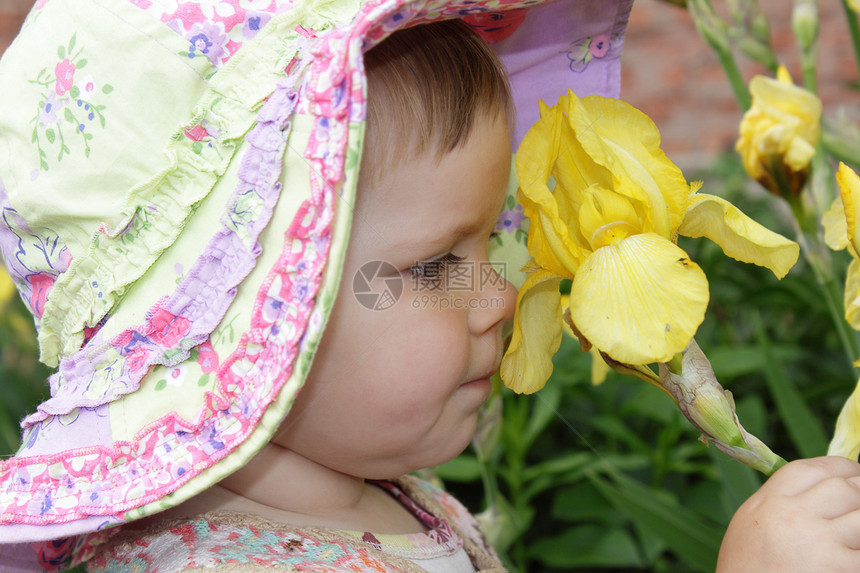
(444, 235)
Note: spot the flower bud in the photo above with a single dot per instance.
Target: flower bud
(778, 134)
(712, 410)
(710, 26)
(804, 22)
(751, 32)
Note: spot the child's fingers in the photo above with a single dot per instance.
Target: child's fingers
(831, 497)
(834, 497)
(846, 530)
(801, 475)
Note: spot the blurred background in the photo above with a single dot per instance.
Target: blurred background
(611, 477)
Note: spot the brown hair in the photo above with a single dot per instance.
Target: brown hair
(426, 86)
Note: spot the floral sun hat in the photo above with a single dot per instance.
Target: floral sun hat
(175, 188)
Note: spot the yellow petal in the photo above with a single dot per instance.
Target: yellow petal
(799, 154)
(549, 240)
(7, 287)
(527, 363)
(835, 227)
(599, 367)
(606, 217)
(849, 190)
(852, 294)
(788, 104)
(627, 143)
(846, 436)
(739, 236)
(639, 300)
(784, 76)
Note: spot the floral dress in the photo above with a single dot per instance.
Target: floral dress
(232, 541)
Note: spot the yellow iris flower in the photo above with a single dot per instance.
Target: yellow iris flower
(840, 232)
(611, 224)
(840, 225)
(779, 132)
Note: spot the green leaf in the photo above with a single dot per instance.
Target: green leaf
(197, 147)
(74, 92)
(72, 41)
(81, 63)
(160, 385)
(693, 539)
(203, 380)
(651, 403)
(544, 410)
(562, 464)
(463, 468)
(615, 428)
(107, 88)
(731, 361)
(581, 502)
(588, 546)
(803, 427)
(50, 135)
(61, 52)
(737, 482)
(67, 113)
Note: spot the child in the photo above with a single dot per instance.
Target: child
(178, 186)
(433, 179)
(182, 344)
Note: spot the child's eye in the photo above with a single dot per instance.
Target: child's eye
(430, 273)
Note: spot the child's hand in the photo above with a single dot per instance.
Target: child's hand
(805, 518)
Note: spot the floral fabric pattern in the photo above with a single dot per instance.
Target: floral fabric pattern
(34, 260)
(583, 51)
(215, 29)
(223, 538)
(70, 101)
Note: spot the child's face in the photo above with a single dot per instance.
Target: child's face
(396, 390)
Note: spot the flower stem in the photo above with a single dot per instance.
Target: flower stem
(715, 33)
(819, 261)
(808, 65)
(676, 364)
(853, 27)
(733, 73)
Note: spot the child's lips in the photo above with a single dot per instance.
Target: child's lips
(481, 380)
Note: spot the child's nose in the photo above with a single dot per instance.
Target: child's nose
(492, 307)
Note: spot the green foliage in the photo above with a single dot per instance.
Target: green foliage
(21, 375)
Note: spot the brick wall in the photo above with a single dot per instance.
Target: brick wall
(670, 74)
(12, 13)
